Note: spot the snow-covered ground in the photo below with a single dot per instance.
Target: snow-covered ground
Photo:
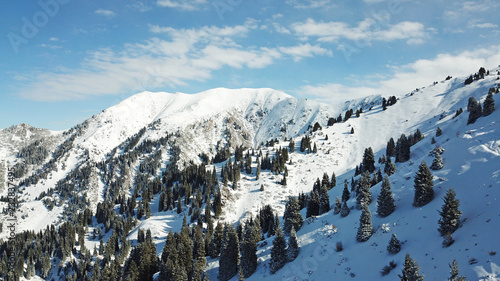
(471, 167)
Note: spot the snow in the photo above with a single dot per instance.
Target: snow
(471, 167)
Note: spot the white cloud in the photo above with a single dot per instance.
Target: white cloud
(105, 13)
(187, 55)
(305, 50)
(207, 34)
(280, 29)
(483, 25)
(139, 6)
(310, 4)
(406, 78)
(366, 31)
(467, 9)
(186, 5)
(479, 6)
(50, 46)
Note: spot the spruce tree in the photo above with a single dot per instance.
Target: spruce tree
(489, 105)
(437, 164)
(293, 248)
(368, 160)
(344, 212)
(216, 242)
(133, 272)
(229, 254)
(325, 181)
(200, 261)
(475, 110)
(424, 192)
(324, 200)
(278, 252)
(365, 229)
(411, 270)
(402, 149)
(179, 205)
(292, 217)
(257, 173)
(394, 245)
(454, 273)
(389, 167)
(345, 193)
(313, 205)
(439, 132)
(217, 204)
(248, 252)
(390, 150)
(333, 181)
(364, 195)
(450, 214)
(185, 250)
(385, 200)
(291, 145)
(338, 206)
(471, 104)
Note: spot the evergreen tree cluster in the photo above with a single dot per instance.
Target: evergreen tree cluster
(388, 102)
(401, 149)
(292, 219)
(477, 110)
(348, 114)
(305, 144)
(33, 154)
(318, 201)
(476, 76)
(281, 252)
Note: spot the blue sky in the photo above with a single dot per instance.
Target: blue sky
(62, 61)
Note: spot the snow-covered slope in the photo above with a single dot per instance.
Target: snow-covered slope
(202, 123)
(472, 168)
(248, 116)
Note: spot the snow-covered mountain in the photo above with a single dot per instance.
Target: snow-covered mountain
(244, 117)
(144, 135)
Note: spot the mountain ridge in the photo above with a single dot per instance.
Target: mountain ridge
(160, 136)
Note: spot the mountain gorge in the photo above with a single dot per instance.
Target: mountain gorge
(124, 180)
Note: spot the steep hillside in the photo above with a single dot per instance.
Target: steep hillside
(471, 167)
(157, 158)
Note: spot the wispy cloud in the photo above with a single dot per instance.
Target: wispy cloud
(186, 55)
(105, 13)
(482, 25)
(366, 30)
(186, 5)
(305, 50)
(139, 6)
(50, 46)
(467, 9)
(421, 72)
(310, 4)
